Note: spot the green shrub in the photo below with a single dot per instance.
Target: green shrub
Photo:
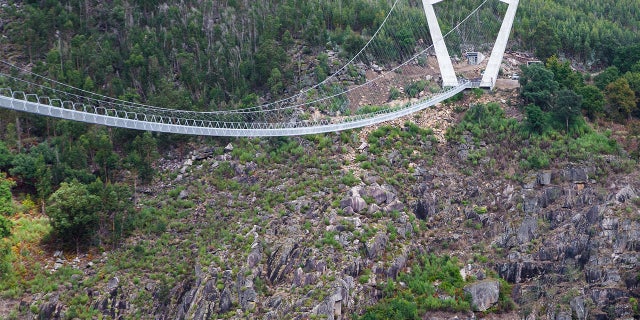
(349, 179)
(413, 89)
(394, 94)
(370, 109)
(72, 211)
(420, 294)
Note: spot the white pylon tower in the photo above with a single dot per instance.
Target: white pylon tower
(490, 76)
(495, 60)
(449, 78)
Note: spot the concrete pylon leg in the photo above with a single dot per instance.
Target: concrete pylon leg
(449, 78)
(493, 66)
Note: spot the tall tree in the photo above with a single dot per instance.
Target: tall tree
(546, 42)
(563, 74)
(592, 101)
(606, 77)
(72, 210)
(537, 86)
(567, 106)
(621, 99)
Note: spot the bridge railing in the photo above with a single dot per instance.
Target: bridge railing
(135, 117)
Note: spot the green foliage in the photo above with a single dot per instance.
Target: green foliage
(370, 109)
(6, 200)
(592, 101)
(536, 120)
(505, 303)
(455, 98)
(349, 179)
(5, 156)
(621, 100)
(538, 86)
(394, 94)
(5, 227)
(567, 106)
(484, 122)
(563, 74)
(545, 40)
(414, 88)
(143, 153)
(72, 210)
(627, 57)
(396, 308)
(420, 294)
(603, 79)
(328, 239)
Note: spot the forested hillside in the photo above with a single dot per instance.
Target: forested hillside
(531, 192)
(204, 55)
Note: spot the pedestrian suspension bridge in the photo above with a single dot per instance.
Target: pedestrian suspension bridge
(322, 108)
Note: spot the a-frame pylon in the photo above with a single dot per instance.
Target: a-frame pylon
(495, 60)
(449, 78)
(490, 76)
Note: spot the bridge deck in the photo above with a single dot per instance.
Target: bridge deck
(161, 123)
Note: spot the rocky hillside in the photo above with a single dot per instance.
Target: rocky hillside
(319, 227)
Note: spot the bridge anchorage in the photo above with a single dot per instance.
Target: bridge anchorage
(280, 118)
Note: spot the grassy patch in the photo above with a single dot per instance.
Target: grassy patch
(434, 283)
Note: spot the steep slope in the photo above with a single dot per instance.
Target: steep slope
(320, 226)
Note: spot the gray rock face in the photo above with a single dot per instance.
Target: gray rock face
(544, 178)
(483, 294)
(356, 203)
(549, 196)
(576, 175)
(530, 204)
(378, 194)
(374, 247)
(373, 208)
(603, 297)
(113, 302)
(51, 309)
(625, 194)
(517, 272)
(281, 261)
(332, 307)
(255, 255)
(225, 300)
(396, 205)
(578, 307)
(247, 298)
(527, 230)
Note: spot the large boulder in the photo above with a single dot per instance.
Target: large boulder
(374, 247)
(484, 294)
(356, 203)
(625, 194)
(378, 194)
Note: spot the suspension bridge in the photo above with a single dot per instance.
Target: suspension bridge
(300, 114)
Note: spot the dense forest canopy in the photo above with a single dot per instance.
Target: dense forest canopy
(204, 55)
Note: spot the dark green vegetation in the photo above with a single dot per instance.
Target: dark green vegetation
(564, 95)
(556, 102)
(200, 56)
(434, 284)
(430, 279)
